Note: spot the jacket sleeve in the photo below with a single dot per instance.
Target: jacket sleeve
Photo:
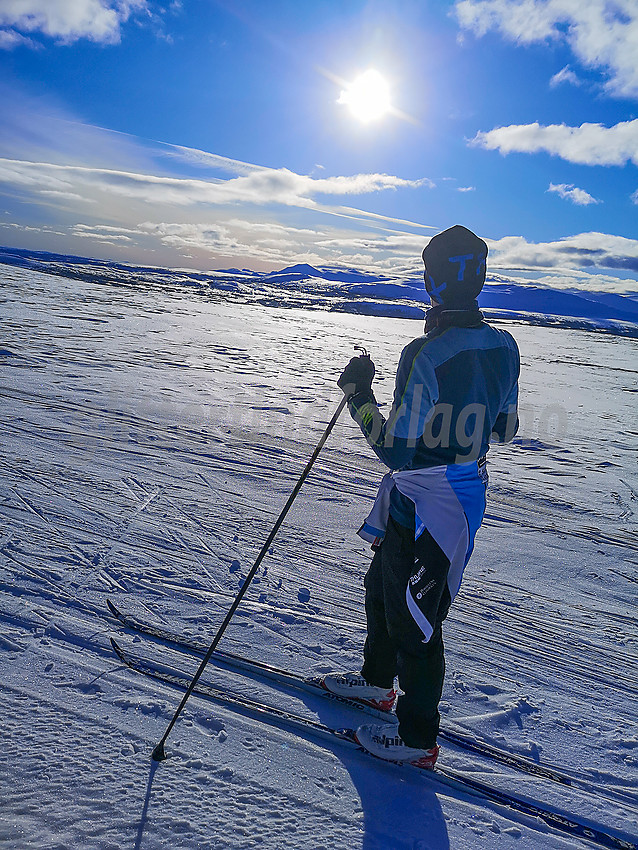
(394, 440)
(507, 422)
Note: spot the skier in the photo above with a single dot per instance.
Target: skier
(456, 389)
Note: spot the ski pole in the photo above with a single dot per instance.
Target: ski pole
(158, 753)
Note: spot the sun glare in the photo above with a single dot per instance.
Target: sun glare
(368, 96)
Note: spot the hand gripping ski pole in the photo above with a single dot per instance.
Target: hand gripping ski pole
(158, 752)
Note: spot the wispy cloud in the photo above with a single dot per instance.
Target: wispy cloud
(68, 20)
(9, 39)
(366, 215)
(104, 232)
(205, 159)
(565, 75)
(601, 34)
(144, 199)
(107, 194)
(36, 129)
(589, 144)
(265, 186)
(584, 261)
(270, 243)
(572, 193)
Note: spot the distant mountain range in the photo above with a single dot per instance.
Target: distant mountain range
(350, 290)
(537, 299)
(302, 271)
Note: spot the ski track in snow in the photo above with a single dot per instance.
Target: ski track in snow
(150, 440)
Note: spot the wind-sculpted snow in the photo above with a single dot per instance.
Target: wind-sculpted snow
(350, 291)
(150, 436)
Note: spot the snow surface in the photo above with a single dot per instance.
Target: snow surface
(353, 291)
(150, 438)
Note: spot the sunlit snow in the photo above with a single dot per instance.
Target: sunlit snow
(151, 432)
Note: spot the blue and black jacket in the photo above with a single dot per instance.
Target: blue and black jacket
(456, 390)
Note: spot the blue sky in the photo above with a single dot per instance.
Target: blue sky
(209, 134)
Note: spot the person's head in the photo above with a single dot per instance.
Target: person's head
(454, 268)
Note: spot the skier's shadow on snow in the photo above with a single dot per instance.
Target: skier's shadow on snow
(399, 806)
(144, 817)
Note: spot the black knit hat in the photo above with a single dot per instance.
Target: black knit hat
(454, 267)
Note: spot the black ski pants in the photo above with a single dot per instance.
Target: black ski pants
(394, 645)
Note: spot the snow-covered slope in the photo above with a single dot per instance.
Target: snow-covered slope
(352, 291)
(150, 437)
(538, 299)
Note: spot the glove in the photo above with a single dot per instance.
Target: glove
(357, 376)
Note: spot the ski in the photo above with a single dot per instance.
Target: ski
(238, 664)
(302, 726)
(312, 685)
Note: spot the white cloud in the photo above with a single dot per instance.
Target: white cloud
(585, 261)
(70, 20)
(22, 227)
(582, 251)
(270, 243)
(565, 75)
(634, 197)
(64, 196)
(362, 215)
(204, 159)
(141, 210)
(404, 245)
(572, 193)
(10, 39)
(589, 144)
(107, 228)
(234, 209)
(34, 175)
(575, 280)
(104, 231)
(275, 244)
(37, 139)
(601, 33)
(361, 184)
(265, 186)
(111, 238)
(466, 189)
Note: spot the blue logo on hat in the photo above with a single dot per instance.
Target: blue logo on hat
(434, 290)
(462, 259)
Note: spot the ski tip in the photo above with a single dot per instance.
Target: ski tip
(348, 735)
(116, 648)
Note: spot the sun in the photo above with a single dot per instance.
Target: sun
(368, 96)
